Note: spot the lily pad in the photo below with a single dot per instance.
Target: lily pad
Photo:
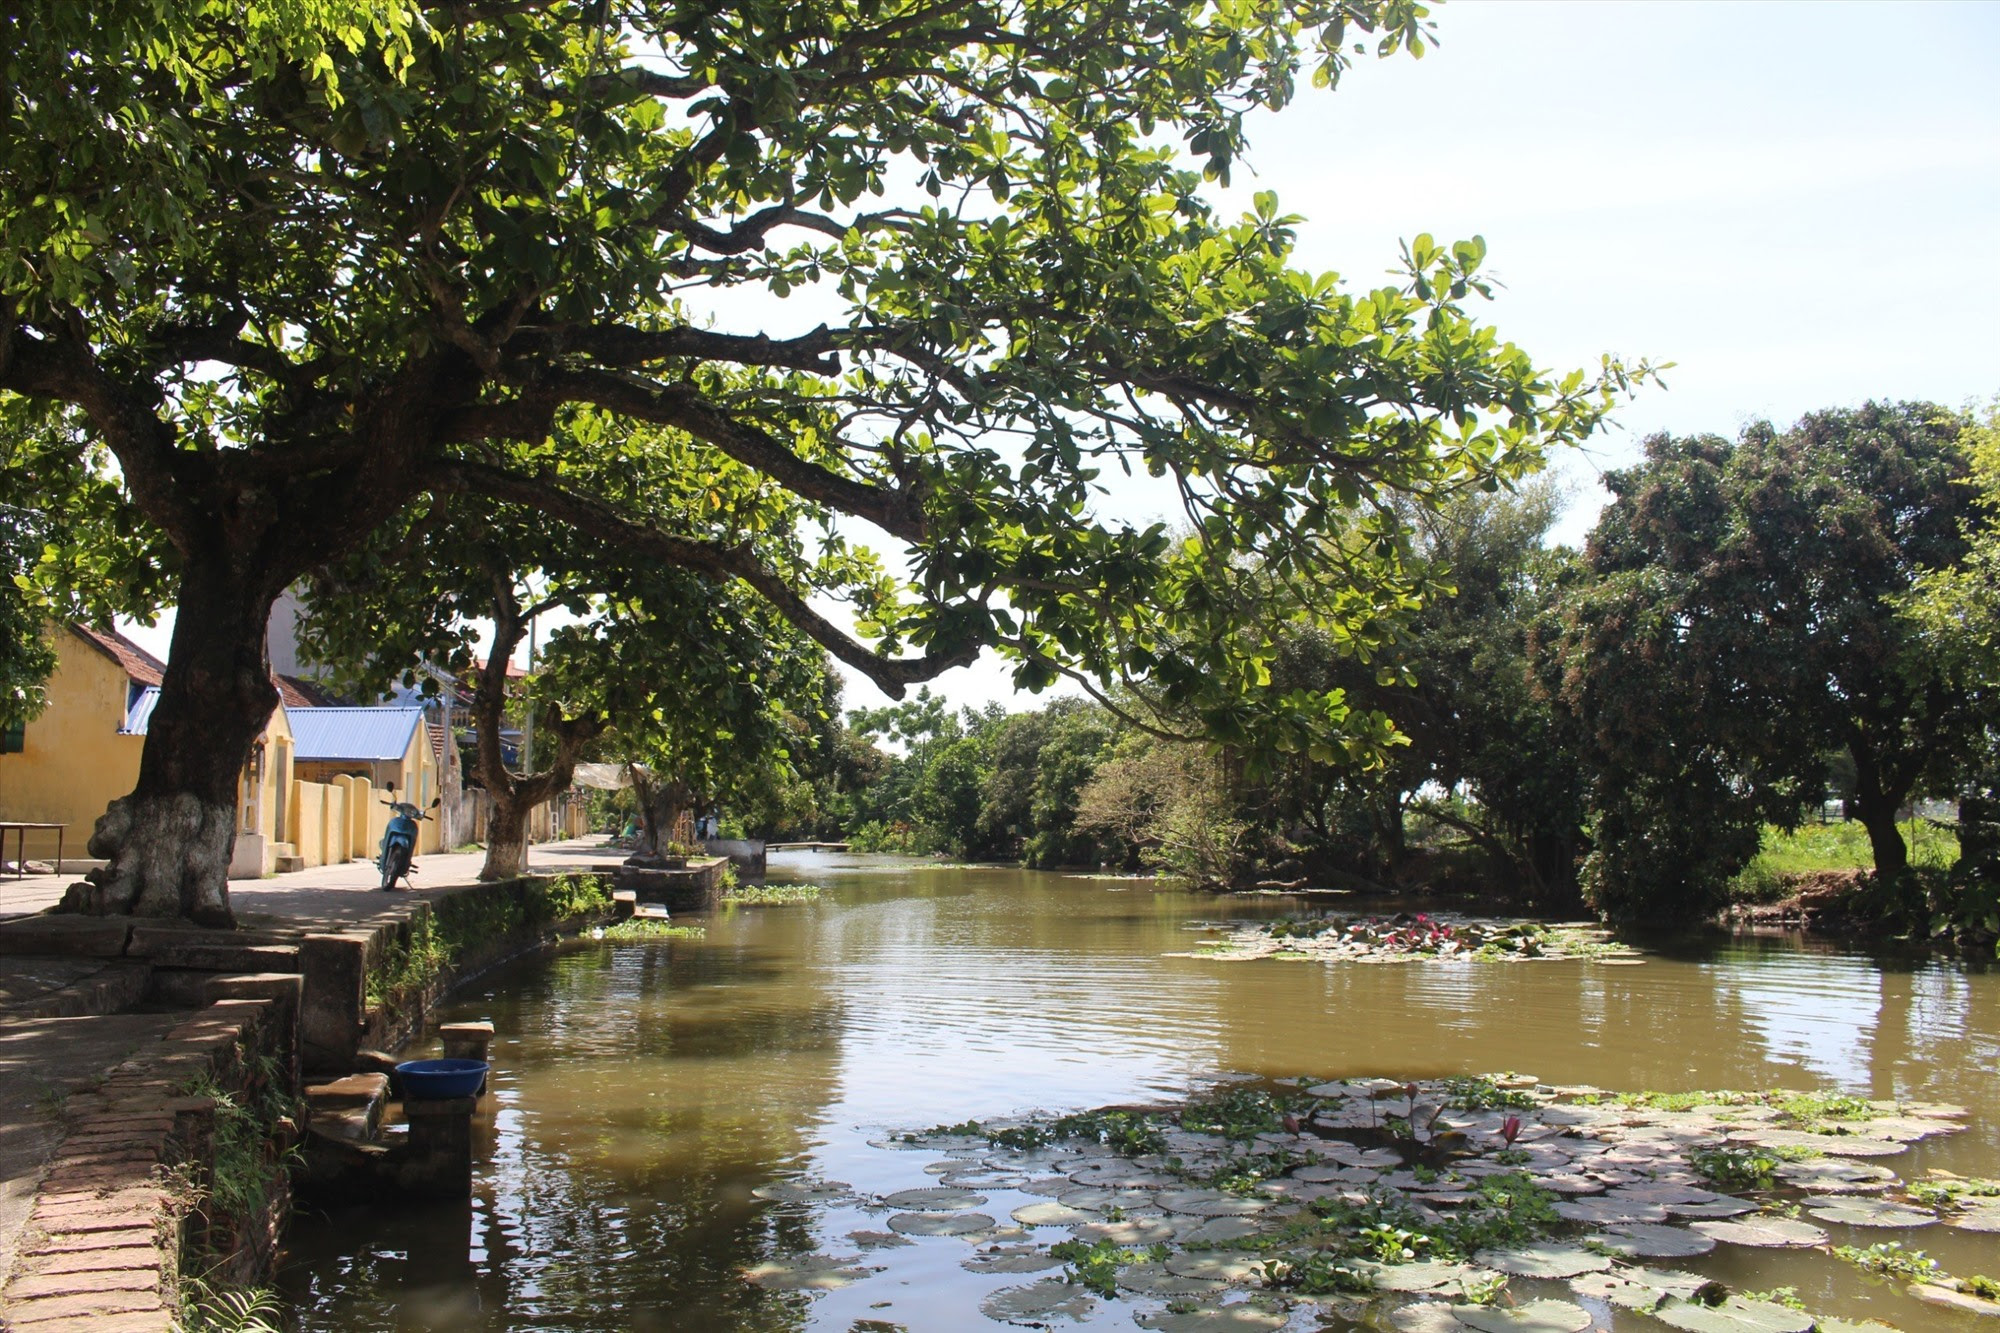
(878, 1240)
(940, 1224)
(1864, 1211)
(936, 1200)
(1011, 1259)
(1655, 1242)
(1427, 1276)
(1642, 1289)
(1766, 1232)
(1215, 1319)
(804, 1191)
(1157, 1280)
(1426, 1317)
(1534, 1317)
(1209, 1203)
(1221, 1230)
(1543, 1260)
(1222, 1266)
(1053, 1214)
(1734, 1315)
(1051, 1298)
(1850, 1326)
(1607, 1211)
(1932, 1294)
(1129, 1231)
(1833, 1145)
(813, 1272)
(1985, 1217)
(1722, 1207)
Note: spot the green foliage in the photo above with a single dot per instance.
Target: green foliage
(244, 1162)
(1739, 626)
(1735, 1168)
(1509, 1209)
(1785, 1296)
(1890, 1259)
(206, 1308)
(1947, 1191)
(642, 929)
(407, 969)
(1095, 1265)
(461, 923)
(1483, 1094)
(768, 895)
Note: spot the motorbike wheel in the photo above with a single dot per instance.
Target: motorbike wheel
(395, 865)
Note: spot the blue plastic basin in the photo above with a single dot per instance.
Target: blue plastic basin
(430, 1080)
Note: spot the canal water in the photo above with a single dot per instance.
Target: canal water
(642, 1092)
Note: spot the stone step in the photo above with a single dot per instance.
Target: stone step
(348, 1109)
(285, 865)
(69, 987)
(210, 951)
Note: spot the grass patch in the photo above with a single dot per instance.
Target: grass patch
(1842, 845)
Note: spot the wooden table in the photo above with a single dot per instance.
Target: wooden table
(21, 845)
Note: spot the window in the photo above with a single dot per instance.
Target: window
(14, 739)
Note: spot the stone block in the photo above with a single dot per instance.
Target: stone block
(332, 1007)
(466, 1041)
(73, 936)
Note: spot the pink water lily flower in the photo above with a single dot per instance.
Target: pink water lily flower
(1510, 1129)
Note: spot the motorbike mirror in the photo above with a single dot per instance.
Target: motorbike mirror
(436, 801)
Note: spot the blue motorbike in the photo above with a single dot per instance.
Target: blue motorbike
(399, 842)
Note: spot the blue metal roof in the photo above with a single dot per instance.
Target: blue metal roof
(353, 734)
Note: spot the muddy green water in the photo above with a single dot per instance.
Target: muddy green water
(641, 1092)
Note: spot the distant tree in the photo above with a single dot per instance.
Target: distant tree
(1740, 622)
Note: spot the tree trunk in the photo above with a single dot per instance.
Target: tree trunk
(662, 802)
(1885, 839)
(506, 836)
(516, 795)
(167, 845)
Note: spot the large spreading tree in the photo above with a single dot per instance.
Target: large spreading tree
(297, 263)
(1741, 625)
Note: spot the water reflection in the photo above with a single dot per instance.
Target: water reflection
(641, 1093)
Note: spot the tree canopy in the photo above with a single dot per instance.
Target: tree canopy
(296, 264)
(1741, 625)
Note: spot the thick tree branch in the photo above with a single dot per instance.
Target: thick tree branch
(64, 370)
(605, 522)
(529, 417)
(626, 348)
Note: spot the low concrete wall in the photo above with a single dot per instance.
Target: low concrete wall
(480, 926)
(695, 888)
(746, 854)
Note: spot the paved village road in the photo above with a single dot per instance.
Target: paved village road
(334, 894)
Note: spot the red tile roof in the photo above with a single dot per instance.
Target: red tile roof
(298, 692)
(139, 664)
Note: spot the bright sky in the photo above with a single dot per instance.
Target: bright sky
(1799, 205)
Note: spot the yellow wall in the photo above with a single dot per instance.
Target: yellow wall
(257, 811)
(73, 761)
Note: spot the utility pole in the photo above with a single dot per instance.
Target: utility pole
(528, 715)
